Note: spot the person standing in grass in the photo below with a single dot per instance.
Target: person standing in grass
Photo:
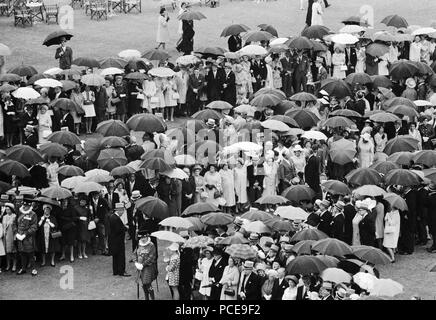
(163, 34)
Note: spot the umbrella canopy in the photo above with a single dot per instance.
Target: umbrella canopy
(272, 199)
(315, 32)
(352, 29)
(346, 113)
(246, 146)
(217, 219)
(425, 157)
(241, 251)
(403, 69)
(68, 85)
(358, 78)
(113, 62)
(304, 118)
(168, 236)
(257, 36)
(384, 167)
(111, 71)
(354, 266)
(122, 171)
(275, 125)
(384, 117)
(423, 68)
(362, 176)
(24, 154)
(54, 38)
(371, 254)
(336, 87)
(303, 96)
(338, 122)
(269, 28)
(254, 215)
(9, 77)
(160, 153)
(156, 163)
(279, 225)
(369, 190)
(199, 209)
(155, 55)
(303, 247)
(26, 93)
(112, 128)
(207, 114)
(401, 143)
(395, 101)
(234, 29)
(401, 158)
(285, 119)
(7, 88)
(364, 280)
(53, 149)
(129, 54)
(93, 80)
(257, 227)
(304, 265)
(65, 104)
(52, 71)
(146, 122)
(381, 81)
(113, 142)
(396, 21)
(302, 43)
(279, 93)
(299, 193)
(70, 171)
(14, 168)
(330, 261)
(56, 192)
(136, 76)
(403, 110)
(309, 234)
(314, 135)
(292, 213)
(344, 38)
(198, 242)
(88, 187)
(111, 158)
(45, 200)
(265, 100)
(191, 15)
(153, 207)
(161, 72)
(64, 137)
(245, 108)
(197, 225)
(72, 182)
(175, 173)
(386, 287)
(86, 62)
(336, 187)
(402, 177)
(4, 187)
(219, 105)
(211, 51)
(48, 83)
(234, 240)
(23, 71)
(176, 222)
(335, 275)
(355, 20)
(332, 247)
(342, 152)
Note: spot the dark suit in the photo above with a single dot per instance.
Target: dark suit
(286, 173)
(68, 121)
(325, 221)
(115, 198)
(101, 211)
(235, 43)
(65, 57)
(193, 98)
(300, 73)
(214, 85)
(259, 73)
(350, 60)
(188, 187)
(278, 289)
(251, 288)
(229, 91)
(288, 68)
(349, 213)
(302, 293)
(116, 244)
(367, 231)
(31, 140)
(337, 227)
(406, 241)
(216, 271)
(311, 174)
(39, 177)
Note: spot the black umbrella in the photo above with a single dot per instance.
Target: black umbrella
(9, 77)
(269, 28)
(23, 71)
(155, 54)
(86, 62)
(45, 200)
(113, 62)
(54, 38)
(336, 87)
(315, 32)
(234, 29)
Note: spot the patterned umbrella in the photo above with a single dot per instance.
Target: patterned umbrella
(217, 219)
(24, 154)
(332, 247)
(53, 149)
(336, 187)
(303, 247)
(64, 137)
(70, 171)
(335, 275)
(401, 143)
(153, 207)
(146, 122)
(272, 199)
(56, 192)
(402, 177)
(198, 242)
(361, 176)
(304, 265)
(199, 208)
(241, 251)
(309, 234)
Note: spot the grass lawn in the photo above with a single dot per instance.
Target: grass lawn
(93, 278)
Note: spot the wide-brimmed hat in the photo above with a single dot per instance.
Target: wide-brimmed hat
(253, 236)
(287, 248)
(327, 285)
(298, 148)
(208, 248)
(319, 59)
(136, 194)
(10, 206)
(411, 83)
(210, 122)
(325, 203)
(260, 266)
(173, 247)
(197, 167)
(4, 198)
(248, 264)
(340, 205)
(293, 278)
(119, 206)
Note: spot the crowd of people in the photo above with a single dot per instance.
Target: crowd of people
(354, 156)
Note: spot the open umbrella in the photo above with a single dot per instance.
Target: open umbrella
(384, 167)
(386, 287)
(111, 71)
(352, 29)
(48, 83)
(423, 68)
(354, 266)
(348, 113)
(112, 128)
(265, 100)
(304, 118)
(279, 93)
(254, 215)
(269, 28)
(304, 265)
(54, 38)
(425, 157)
(153, 207)
(336, 87)
(219, 105)
(279, 225)
(155, 55)
(207, 114)
(113, 142)
(253, 50)
(111, 158)
(257, 227)
(315, 32)
(161, 72)
(24, 154)
(72, 182)
(175, 173)
(56, 192)
(7, 88)
(156, 164)
(122, 171)
(198, 242)
(191, 15)
(176, 222)
(70, 171)
(9, 77)
(314, 135)
(299, 193)
(275, 125)
(364, 280)
(241, 251)
(23, 71)
(381, 81)
(285, 119)
(88, 187)
(217, 219)
(358, 78)
(362, 176)
(184, 160)
(25, 93)
(401, 158)
(403, 110)
(344, 38)
(291, 213)
(303, 247)
(14, 168)
(355, 20)
(160, 153)
(384, 117)
(335, 275)
(146, 122)
(53, 149)
(64, 137)
(68, 85)
(401, 143)
(369, 190)
(234, 240)
(4, 187)
(403, 69)
(246, 146)
(93, 80)
(309, 234)
(65, 104)
(338, 122)
(303, 96)
(234, 29)
(272, 199)
(168, 236)
(129, 54)
(396, 21)
(86, 62)
(113, 62)
(336, 187)
(301, 43)
(257, 36)
(45, 200)
(332, 247)
(211, 51)
(395, 101)
(342, 152)
(199, 209)
(371, 254)
(402, 177)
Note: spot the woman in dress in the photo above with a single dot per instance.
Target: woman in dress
(163, 34)
(277, 71)
(9, 231)
(299, 159)
(123, 198)
(68, 224)
(203, 268)
(229, 281)
(391, 231)
(182, 78)
(379, 221)
(246, 66)
(148, 90)
(78, 98)
(338, 62)
(173, 270)
(158, 100)
(212, 183)
(145, 263)
(171, 98)
(84, 235)
(292, 290)
(120, 97)
(2, 244)
(414, 133)
(380, 139)
(269, 284)
(366, 150)
(269, 81)
(199, 182)
(44, 124)
(47, 225)
(88, 106)
(317, 13)
(361, 58)
(270, 182)
(415, 49)
(241, 184)
(111, 108)
(11, 118)
(228, 185)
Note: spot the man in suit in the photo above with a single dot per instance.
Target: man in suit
(350, 59)
(406, 242)
(67, 121)
(337, 225)
(321, 71)
(135, 183)
(249, 285)
(400, 129)
(300, 72)
(325, 292)
(311, 171)
(216, 273)
(99, 209)
(117, 232)
(349, 213)
(30, 137)
(286, 172)
(303, 290)
(196, 83)
(229, 86)
(234, 42)
(111, 197)
(38, 175)
(214, 79)
(288, 69)
(64, 54)
(259, 72)
(325, 217)
(222, 231)
(279, 286)
(100, 104)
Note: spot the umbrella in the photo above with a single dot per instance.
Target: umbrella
(111, 71)
(352, 28)
(285, 119)
(384, 117)
(304, 118)
(24, 154)
(72, 182)
(402, 177)
(9, 77)
(56, 192)
(86, 62)
(68, 85)
(65, 104)
(129, 54)
(187, 60)
(202, 147)
(54, 38)
(155, 55)
(53, 149)
(153, 207)
(49, 83)
(156, 164)
(191, 15)
(403, 69)
(330, 261)
(302, 43)
(257, 36)
(257, 227)
(342, 152)
(64, 137)
(234, 29)
(309, 234)
(217, 219)
(161, 72)
(175, 173)
(371, 254)
(396, 201)
(168, 236)
(381, 81)
(336, 87)
(4, 187)
(185, 160)
(303, 247)
(344, 38)
(253, 50)
(423, 31)
(23, 71)
(369, 190)
(315, 32)
(93, 80)
(348, 113)
(336, 187)
(7, 88)
(299, 193)
(335, 275)
(386, 287)
(269, 28)
(383, 167)
(354, 266)
(401, 158)
(160, 153)
(113, 62)
(13, 168)
(279, 93)
(197, 225)
(146, 122)
(136, 76)
(430, 174)
(254, 215)
(275, 125)
(113, 142)
(338, 122)
(303, 96)
(25, 93)
(403, 110)
(234, 240)
(265, 100)
(198, 242)
(176, 222)
(355, 20)
(318, 46)
(75, 72)
(45, 200)
(5, 50)
(70, 171)
(314, 135)
(199, 208)
(400, 101)
(304, 265)
(401, 143)
(92, 148)
(122, 171)
(246, 146)
(279, 225)
(332, 247)
(111, 158)
(272, 199)
(362, 176)
(358, 78)
(219, 105)
(112, 128)
(395, 21)
(423, 68)
(245, 108)
(207, 114)
(88, 187)
(425, 157)
(241, 251)
(384, 36)
(211, 51)
(364, 280)
(291, 213)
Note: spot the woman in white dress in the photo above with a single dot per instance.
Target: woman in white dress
(228, 185)
(269, 82)
(291, 291)
(270, 181)
(203, 268)
(111, 108)
(212, 183)
(317, 13)
(366, 151)
(415, 49)
(246, 66)
(148, 90)
(392, 231)
(338, 62)
(361, 58)
(78, 98)
(383, 62)
(241, 183)
(124, 198)
(157, 102)
(182, 78)
(171, 98)
(163, 34)
(88, 106)
(230, 280)
(414, 133)
(44, 124)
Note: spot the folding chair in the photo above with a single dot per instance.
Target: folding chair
(74, 3)
(5, 8)
(99, 10)
(117, 4)
(129, 5)
(51, 12)
(22, 16)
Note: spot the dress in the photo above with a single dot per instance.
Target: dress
(338, 61)
(317, 14)
(230, 274)
(392, 229)
(380, 142)
(366, 153)
(52, 174)
(290, 293)
(83, 213)
(182, 78)
(199, 184)
(77, 98)
(361, 60)
(44, 126)
(356, 234)
(27, 225)
(415, 51)
(9, 231)
(383, 69)
(2, 241)
(163, 34)
(173, 270)
(277, 77)
(270, 181)
(88, 103)
(212, 179)
(241, 183)
(379, 220)
(228, 186)
(204, 267)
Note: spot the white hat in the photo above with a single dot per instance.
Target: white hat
(174, 247)
(298, 148)
(366, 136)
(411, 83)
(210, 122)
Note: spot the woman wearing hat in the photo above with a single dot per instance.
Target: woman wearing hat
(78, 98)
(366, 150)
(44, 123)
(8, 223)
(228, 185)
(84, 235)
(241, 184)
(292, 290)
(391, 231)
(212, 183)
(414, 133)
(27, 224)
(199, 182)
(268, 284)
(68, 224)
(88, 106)
(230, 280)
(145, 263)
(338, 62)
(47, 237)
(270, 181)
(204, 265)
(427, 132)
(410, 92)
(173, 269)
(123, 198)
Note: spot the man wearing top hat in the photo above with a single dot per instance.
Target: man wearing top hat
(249, 284)
(64, 54)
(214, 80)
(338, 221)
(216, 273)
(325, 217)
(117, 233)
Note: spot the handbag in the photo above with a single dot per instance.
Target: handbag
(176, 96)
(56, 234)
(229, 292)
(140, 96)
(344, 68)
(154, 100)
(91, 225)
(390, 229)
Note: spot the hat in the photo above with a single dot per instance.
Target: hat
(361, 205)
(340, 205)
(298, 148)
(293, 278)
(119, 206)
(174, 247)
(366, 136)
(228, 65)
(253, 236)
(325, 203)
(142, 242)
(184, 233)
(210, 122)
(261, 255)
(248, 264)
(341, 294)
(28, 128)
(327, 285)
(27, 199)
(10, 206)
(46, 205)
(284, 239)
(272, 272)
(411, 83)
(260, 266)
(275, 248)
(287, 248)
(238, 221)
(197, 167)
(136, 194)
(208, 248)
(4, 198)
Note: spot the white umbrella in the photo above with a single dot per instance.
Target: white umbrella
(161, 72)
(185, 160)
(72, 182)
(53, 71)
(422, 31)
(129, 54)
(314, 135)
(365, 280)
(291, 213)
(253, 50)
(168, 236)
(111, 71)
(386, 287)
(175, 173)
(244, 146)
(278, 41)
(188, 59)
(135, 165)
(176, 222)
(97, 172)
(88, 187)
(26, 93)
(422, 103)
(48, 83)
(352, 28)
(344, 38)
(257, 227)
(275, 125)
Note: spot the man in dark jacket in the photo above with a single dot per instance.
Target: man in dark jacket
(338, 221)
(188, 190)
(196, 84)
(186, 273)
(288, 69)
(302, 64)
(311, 172)
(30, 137)
(65, 55)
(100, 104)
(235, 43)
(214, 79)
(259, 72)
(279, 286)
(349, 213)
(350, 59)
(216, 273)
(117, 232)
(67, 121)
(325, 217)
(100, 210)
(229, 86)
(431, 212)
(406, 242)
(249, 285)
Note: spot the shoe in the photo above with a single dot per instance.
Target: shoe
(85, 256)
(61, 258)
(72, 260)
(80, 256)
(21, 271)
(34, 272)
(53, 264)
(125, 275)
